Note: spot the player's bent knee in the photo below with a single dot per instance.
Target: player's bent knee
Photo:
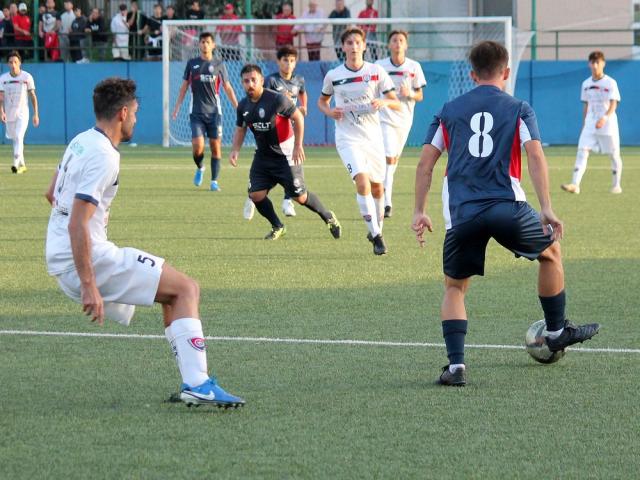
(551, 254)
(257, 196)
(461, 284)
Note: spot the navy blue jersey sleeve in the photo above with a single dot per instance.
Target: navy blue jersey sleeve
(528, 124)
(239, 116)
(302, 88)
(222, 72)
(270, 82)
(285, 106)
(187, 72)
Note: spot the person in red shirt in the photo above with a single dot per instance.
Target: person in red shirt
(284, 33)
(229, 35)
(370, 29)
(22, 27)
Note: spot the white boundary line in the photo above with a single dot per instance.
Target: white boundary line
(369, 343)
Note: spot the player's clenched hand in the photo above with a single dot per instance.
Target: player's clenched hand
(92, 304)
(298, 155)
(421, 222)
(336, 113)
(174, 115)
(36, 120)
(549, 218)
(600, 123)
(405, 91)
(377, 103)
(4, 117)
(233, 158)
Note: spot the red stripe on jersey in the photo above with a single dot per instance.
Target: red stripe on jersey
(515, 164)
(284, 130)
(217, 86)
(445, 135)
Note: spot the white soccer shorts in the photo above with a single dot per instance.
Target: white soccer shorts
(17, 128)
(599, 143)
(124, 277)
(366, 157)
(394, 138)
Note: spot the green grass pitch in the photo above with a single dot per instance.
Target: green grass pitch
(94, 407)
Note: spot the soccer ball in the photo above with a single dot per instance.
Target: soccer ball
(537, 347)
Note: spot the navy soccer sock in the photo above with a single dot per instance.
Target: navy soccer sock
(314, 204)
(265, 208)
(553, 308)
(454, 332)
(198, 159)
(215, 168)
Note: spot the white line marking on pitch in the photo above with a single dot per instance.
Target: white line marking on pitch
(371, 343)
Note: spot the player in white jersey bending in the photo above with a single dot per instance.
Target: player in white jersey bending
(357, 87)
(600, 132)
(408, 78)
(15, 86)
(109, 281)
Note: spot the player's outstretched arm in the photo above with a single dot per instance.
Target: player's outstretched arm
(537, 165)
(238, 139)
(231, 94)
(92, 303)
(424, 175)
(52, 185)
(180, 99)
(34, 104)
(298, 135)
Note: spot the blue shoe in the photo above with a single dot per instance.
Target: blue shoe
(209, 393)
(214, 186)
(197, 178)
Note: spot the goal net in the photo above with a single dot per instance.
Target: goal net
(440, 44)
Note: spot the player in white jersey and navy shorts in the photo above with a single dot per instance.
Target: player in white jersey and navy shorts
(108, 280)
(600, 132)
(15, 86)
(408, 78)
(360, 89)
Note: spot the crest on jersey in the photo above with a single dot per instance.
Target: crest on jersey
(366, 78)
(197, 343)
(261, 112)
(294, 90)
(210, 68)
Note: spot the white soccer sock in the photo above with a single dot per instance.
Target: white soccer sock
(581, 165)
(368, 212)
(554, 334)
(379, 202)
(388, 183)
(616, 167)
(172, 342)
(18, 152)
(189, 347)
(454, 366)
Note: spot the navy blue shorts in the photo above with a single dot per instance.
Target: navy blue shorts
(266, 173)
(514, 225)
(206, 125)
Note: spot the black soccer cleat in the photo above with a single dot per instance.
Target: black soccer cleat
(388, 211)
(14, 169)
(334, 226)
(379, 247)
(456, 379)
(572, 334)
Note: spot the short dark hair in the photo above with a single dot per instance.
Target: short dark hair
(596, 55)
(110, 95)
(398, 32)
(14, 53)
(122, 7)
(353, 31)
(287, 51)
(250, 67)
(488, 58)
(206, 35)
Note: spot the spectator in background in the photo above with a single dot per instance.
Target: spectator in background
(22, 28)
(171, 13)
(313, 33)
(7, 35)
(339, 12)
(66, 19)
(98, 37)
(48, 26)
(284, 33)
(153, 29)
(370, 30)
(229, 35)
(120, 31)
(77, 38)
(195, 13)
(136, 22)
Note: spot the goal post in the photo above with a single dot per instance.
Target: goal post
(446, 40)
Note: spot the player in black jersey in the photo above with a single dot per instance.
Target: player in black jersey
(278, 128)
(205, 75)
(288, 83)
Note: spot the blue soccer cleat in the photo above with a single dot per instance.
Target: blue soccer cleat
(214, 186)
(197, 178)
(209, 393)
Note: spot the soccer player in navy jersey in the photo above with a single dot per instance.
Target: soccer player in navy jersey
(278, 128)
(483, 131)
(205, 75)
(289, 83)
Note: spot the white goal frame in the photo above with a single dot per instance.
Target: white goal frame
(211, 24)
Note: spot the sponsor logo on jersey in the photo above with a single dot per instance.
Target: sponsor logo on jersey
(196, 66)
(279, 87)
(261, 126)
(198, 343)
(207, 78)
(261, 112)
(245, 114)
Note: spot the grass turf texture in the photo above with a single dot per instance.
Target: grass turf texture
(94, 407)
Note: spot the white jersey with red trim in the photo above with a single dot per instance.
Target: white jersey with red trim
(15, 94)
(598, 94)
(407, 74)
(354, 91)
(89, 172)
